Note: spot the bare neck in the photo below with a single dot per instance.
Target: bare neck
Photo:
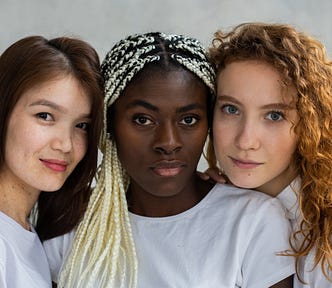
(16, 201)
(145, 204)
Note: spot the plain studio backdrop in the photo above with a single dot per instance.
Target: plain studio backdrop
(104, 22)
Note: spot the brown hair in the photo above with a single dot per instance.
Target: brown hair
(302, 62)
(34, 60)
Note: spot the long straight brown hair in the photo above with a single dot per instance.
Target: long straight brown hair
(32, 61)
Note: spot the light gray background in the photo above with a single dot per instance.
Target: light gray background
(104, 22)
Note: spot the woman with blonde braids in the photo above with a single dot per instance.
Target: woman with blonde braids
(272, 131)
(179, 230)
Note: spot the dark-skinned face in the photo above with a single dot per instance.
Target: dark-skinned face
(160, 128)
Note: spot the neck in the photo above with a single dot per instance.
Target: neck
(16, 202)
(145, 204)
(277, 185)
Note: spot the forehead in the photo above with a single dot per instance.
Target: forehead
(65, 92)
(165, 87)
(254, 79)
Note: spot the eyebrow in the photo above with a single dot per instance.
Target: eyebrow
(47, 103)
(156, 109)
(190, 107)
(143, 104)
(279, 105)
(52, 105)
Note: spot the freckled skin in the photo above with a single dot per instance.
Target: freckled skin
(252, 128)
(40, 136)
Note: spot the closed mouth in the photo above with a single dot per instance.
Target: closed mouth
(245, 164)
(168, 168)
(55, 165)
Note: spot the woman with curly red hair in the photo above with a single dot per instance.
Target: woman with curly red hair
(272, 131)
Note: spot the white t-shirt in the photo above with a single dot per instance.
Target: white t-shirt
(229, 239)
(23, 261)
(314, 278)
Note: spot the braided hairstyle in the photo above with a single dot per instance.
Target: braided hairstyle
(103, 243)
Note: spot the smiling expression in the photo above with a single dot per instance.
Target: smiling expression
(160, 130)
(47, 135)
(253, 122)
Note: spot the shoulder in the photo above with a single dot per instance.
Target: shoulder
(59, 245)
(249, 200)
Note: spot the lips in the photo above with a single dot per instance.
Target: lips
(245, 164)
(55, 165)
(168, 168)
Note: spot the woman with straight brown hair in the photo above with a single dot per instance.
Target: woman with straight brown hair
(50, 102)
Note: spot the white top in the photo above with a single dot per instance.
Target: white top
(229, 239)
(314, 278)
(23, 262)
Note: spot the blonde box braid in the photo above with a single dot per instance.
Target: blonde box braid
(103, 242)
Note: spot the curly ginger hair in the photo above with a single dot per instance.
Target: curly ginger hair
(302, 62)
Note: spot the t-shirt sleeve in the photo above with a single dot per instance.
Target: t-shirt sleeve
(262, 266)
(57, 250)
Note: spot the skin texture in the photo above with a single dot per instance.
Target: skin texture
(252, 129)
(160, 128)
(46, 138)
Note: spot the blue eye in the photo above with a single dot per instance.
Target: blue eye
(230, 109)
(275, 116)
(189, 120)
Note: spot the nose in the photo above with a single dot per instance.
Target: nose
(63, 141)
(247, 137)
(167, 139)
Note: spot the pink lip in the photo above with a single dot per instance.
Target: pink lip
(168, 168)
(245, 164)
(55, 165)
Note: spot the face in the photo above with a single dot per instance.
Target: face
(47, 135)
(160, 129)
(253, 122)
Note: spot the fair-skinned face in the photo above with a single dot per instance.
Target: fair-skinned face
(161, 127)
(253, 133)
(46, 136)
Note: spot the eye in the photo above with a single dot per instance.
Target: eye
(45, 116)
(230, 109)
(142, 120)
(189, 120)
(83, 125)
(275, 116)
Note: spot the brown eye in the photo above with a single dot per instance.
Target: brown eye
(142, 120)
(189, 120)
(45, 116)
(83, 126)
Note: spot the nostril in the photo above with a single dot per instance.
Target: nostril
(167, 150)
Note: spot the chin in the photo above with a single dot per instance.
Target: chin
(51, 188)
(244, 184)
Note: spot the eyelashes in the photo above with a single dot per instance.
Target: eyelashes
(272, 115)
(143, 120)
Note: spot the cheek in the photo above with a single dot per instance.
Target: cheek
(24, 141)
(280, 142)
(222, 134)
(81, 147)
